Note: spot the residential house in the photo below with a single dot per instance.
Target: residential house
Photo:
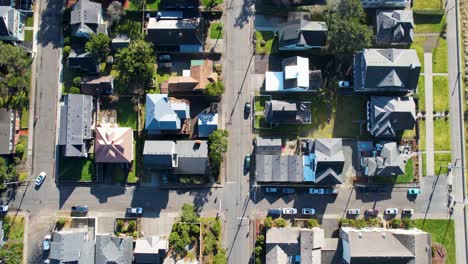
(150, 250)
(84, 62)
(166, 114)
(115, 250)
(329, 161)
(194, 80)
(388, 117)
(120, 41)
(394, 27)
(300, 35)
(97, 85)
(287, 112)
(386, 70)
(76, 123)
(381, 245)
(268, 146)
(183, 35)
(387, 160)
(12, 23)
(178, 4)
(7, 131)
(113, 144)
(296, 245)
(385, 3)
(295, 77)
(72, 247)
(281, 169)
(207, 124)
(177, 157)
(86, 19)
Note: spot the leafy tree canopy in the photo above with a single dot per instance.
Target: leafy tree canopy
(136, 62)
(218, 145)
(98, 45)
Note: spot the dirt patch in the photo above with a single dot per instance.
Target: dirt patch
(439, 253)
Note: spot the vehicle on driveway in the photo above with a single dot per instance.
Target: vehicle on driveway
(247, 162)
(135, 210)
(46, 242)
(407, 212)
(308, 211)
(3, 209)
(79, 209)
(414, 191)
(354, 212)
(271, 190)
(275, 211)
(316, 191)
(40, 179)
(288, 190)
(391, 211)
(371, 212)
(289, 211)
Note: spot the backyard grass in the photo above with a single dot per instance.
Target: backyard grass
(404, 178)
(441, 134)
(442, 231)
(260, 103)
(270, 44)
(126, 116)
(25, 117)
(429, 23)
(211, 3)
(409, 134)
(129, 25)
(422, 134)
(152, 5)
(76, 169)
(418, 45)
(421, 94)
(67, 82)
(260, 122)
(440, 56)
(427, 5)
(22, 176)
(28, 35)
(441, 94)
(216, 30)
(30, 21)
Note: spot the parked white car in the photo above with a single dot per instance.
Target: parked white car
(46, 242)
(289, 211)
(40, 179)
(391, 211)
(308, 211)
(354, 212)
(407, 212)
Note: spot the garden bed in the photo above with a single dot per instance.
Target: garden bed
(127, 227)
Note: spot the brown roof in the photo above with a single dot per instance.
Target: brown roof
(114, 144)
(200, 76)
(96, 85)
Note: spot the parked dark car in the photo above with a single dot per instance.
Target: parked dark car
(247, 108)
(372, 212)
(79, 209)
(288, 190)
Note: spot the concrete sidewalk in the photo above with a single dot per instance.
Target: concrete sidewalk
(429, 117)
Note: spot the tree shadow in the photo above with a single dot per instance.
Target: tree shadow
(51, 24)
(245, 13)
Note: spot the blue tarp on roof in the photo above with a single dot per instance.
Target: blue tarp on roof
(308, 162)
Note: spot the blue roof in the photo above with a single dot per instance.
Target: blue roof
(162, 115)
(207, 123)
(309, 167)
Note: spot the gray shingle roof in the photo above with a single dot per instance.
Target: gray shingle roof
(279, 168)
(7, 127)
(386, 70)
(86, 17)
(302, 32)
(395, 26)
(69, 247)
(390, 115)
(83, 61)
(287, 112)
(388, 162)
(114, 250)
(174, 32)
(330, 160)
(268, 145)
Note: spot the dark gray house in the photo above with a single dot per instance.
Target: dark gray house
(177, 157)
(279, 168)
(76, 121)
(268, 146)
(387, 161)
(97, 85)
(84, 62)
(183, 35)
(329, 160)
(72, 247)
(287, 112)
(116, 250)
(386, 70)
(86, 19)
(7, 131)
(394, 27)
(300, 34)
(388, 117)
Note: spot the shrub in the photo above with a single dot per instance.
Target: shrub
(408, 223)
(135, 234)
(281, 222)
(16, 160)
(119, 226)
(215, 89)
(66, 41)
(189, 214)
(312, 223)
(216, 229)
(195, 229)
(268, 222)
(220, 257)
(19, 149)
(360, 223)
(75, 90)
(395, 223)
(77, 81)
(258, 250)
(60, 223)
(210, 243)
(66, 51)
(131, 226)
(260, 240)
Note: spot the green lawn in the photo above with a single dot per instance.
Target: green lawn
(428, 23)
(422, 94)
(422, 134)
(404, 178)
(270, 45)
(30, 21)
(260, 122)
(126, 116)
(13, 226)
(23, 139)
(28, 35)
(441, 94)
(152, 5)
(25, 117)
(133, 173)
(409, 134)
(442, 231)
(418, 45)
(68, 75)
(441, 135)
(76, 169)
(440, 56)
(427, 4)
(260, 103)
(440, 163)
(216, 30)
(211, 3)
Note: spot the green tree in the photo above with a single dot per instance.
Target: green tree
(350, 8)
(98, 45)
(281, 222)
(131, 226)
(138, 3)
(209, 242)
(395, 223)
(268, 222)
(215, 89)
(136, 62)
(216, 229)
(220, 257)
(189, 214)
(195, 229)
(77, 81)
(75, 90)
(19, 149)
(14, 76)
(66, 51)
(11, 253)
(312, 223)
(218, 145)
(119, 226)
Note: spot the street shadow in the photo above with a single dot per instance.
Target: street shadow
(151, 199)
(50, 26)
(246, 12)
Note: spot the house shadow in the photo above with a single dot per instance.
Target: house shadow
(51, 24)
(151, 199)
(245, 13)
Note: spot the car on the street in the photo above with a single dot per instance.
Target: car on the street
(79, 209)
(407, 212)
(46, 261)
(343, 84)
(275, 211)
(135, 210)
(371, 212)
(46, 242)
(391, 211)
(164, 61)
(316, 191)
(247, 108)
(354, 212)
(288, 190)
(331, 191)
(289, 211)
(40, 179)
(247, 162)
(3, 209)
(271, 190)
(308, 211)
(414, 191)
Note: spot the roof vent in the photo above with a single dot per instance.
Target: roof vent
(412, 66)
